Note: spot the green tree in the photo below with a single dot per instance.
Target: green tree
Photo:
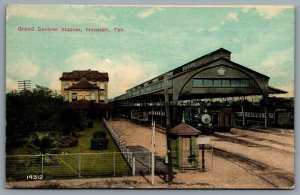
(43, 143)
(70, 120)
(28, 111)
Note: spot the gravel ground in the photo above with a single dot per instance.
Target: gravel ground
(274, 148)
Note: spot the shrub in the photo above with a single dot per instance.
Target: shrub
(43, 143)
(68, 141)
(99, 144)
(90, 124)
(99, 134)
(76, 134)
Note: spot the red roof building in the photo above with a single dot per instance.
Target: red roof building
(88, 85)
(184, 129)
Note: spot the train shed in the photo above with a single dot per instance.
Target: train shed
(213, 75)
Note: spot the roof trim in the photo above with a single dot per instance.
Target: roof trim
(83, 85)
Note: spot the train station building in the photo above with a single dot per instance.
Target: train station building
(213, 75)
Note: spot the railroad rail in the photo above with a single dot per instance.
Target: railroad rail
(274, 176)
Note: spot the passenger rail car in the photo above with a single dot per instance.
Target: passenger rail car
(278, 118)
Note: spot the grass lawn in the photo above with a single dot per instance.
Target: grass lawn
(73, 162)
(84, 143)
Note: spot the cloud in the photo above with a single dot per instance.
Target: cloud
(274, 65)
(277, 59)
(23, 69)
(72, 13)
(245, 10)
(213, 29)
(148, 12)
(50, 78)
(11, 84)
(269, 12)
(124, 72)
(232, 16)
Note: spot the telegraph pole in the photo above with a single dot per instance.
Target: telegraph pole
(168, 124)
(24, 85)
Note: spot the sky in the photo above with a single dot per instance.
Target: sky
(153, 40)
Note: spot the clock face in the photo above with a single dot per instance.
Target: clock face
(221, 71)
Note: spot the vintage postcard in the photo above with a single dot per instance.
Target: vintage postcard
(170, 97)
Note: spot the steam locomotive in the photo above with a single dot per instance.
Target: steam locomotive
(208, 120)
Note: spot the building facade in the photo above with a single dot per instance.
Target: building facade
(89, 85)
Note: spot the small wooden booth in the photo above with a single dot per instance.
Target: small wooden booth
(184, 146)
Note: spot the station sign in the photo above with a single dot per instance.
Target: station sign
(203, 140)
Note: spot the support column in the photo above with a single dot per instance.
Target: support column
(174, 113)
(168, 125)
(243, 114)
(266, 103)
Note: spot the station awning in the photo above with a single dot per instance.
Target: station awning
(273, 90)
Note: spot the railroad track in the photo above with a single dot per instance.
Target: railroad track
(238, 140)
(274, 176)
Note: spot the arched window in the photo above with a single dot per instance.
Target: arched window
(66, 86)
(66, 97)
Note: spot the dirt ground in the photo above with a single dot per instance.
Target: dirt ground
(134, 134)
(262, 159)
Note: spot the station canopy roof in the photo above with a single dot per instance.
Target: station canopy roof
(273, 90)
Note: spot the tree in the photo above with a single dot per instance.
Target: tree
(29, 111)
(70, 120)
(43, 143)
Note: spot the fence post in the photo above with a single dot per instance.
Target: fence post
(114, 159)
(149, 162)
(212, 158)
(79, 164)
(43, 165)
(133, 166)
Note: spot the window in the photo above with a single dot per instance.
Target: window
(93, 96)
(235, 83)
(74, 96)
(87, 97)
(102, 86)
(245, 83)
(66, 86)
(225, 83)
(170, 83)
(217, 83)
(207, 83)
(102, 98)
(197, 83)
(66, 98)
(220, 83)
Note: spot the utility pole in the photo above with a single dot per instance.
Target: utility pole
(168, 123)
(24, 85)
